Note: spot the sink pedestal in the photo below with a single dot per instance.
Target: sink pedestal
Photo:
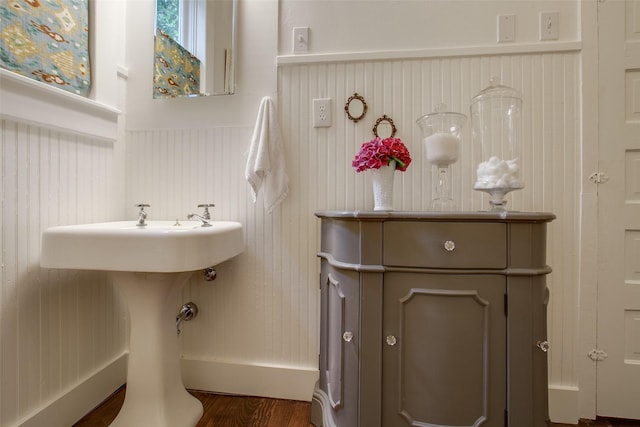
(155, 394)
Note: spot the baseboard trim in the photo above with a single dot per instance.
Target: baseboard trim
(249, 380)
(232, 378)
(564, 404)
(64, 410)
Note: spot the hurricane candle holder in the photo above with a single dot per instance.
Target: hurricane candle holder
(496, 127)
(442, 138)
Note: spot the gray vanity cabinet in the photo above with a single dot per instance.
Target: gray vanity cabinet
(432, 319)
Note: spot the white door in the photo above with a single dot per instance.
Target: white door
(618, 335)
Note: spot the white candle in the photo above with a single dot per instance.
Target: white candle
(442, 148)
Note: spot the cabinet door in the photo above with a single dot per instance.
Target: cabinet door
(339, 343)
(444, 358)
(527, 331)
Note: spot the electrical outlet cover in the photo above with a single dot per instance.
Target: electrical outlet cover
(322, 113)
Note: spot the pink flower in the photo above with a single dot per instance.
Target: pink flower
(379, 152)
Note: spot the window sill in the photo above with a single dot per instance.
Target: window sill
(28, 100)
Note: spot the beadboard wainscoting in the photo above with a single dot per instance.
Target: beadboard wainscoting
(262, 311)
(62, 340)
(258, 321)
(320, 158)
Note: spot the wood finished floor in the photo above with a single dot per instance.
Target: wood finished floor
(241, 411)
(220, 411)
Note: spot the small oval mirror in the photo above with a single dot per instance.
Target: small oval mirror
(384, 127)
(355, 107)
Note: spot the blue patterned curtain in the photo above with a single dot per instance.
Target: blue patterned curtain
(47, 40)
(177, 71)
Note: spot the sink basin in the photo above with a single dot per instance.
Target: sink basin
(160, 246)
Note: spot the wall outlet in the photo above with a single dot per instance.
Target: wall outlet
(322, 113)
(506, 28)
(549, 26)
(300, 39)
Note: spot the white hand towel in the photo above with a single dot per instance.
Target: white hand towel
(265, 165)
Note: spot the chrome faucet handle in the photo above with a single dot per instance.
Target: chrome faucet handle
(142, 206)
(206, 206)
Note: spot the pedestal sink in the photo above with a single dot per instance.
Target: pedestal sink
(149, 265)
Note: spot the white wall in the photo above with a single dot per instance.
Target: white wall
(366, 26)
(552, 156)
(257, 332)
(255, 73)
(62, 333)
(58, 328)
(260, 317)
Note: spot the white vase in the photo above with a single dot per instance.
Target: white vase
(383, 187)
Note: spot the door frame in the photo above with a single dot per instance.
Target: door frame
(583, 403)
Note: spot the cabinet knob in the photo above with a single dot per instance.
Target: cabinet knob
(543, 345)
(449, 245)
(347, 336)
(391, 340)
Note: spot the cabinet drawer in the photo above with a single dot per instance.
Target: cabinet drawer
(445, 244)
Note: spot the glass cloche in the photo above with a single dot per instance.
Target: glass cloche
(442, 138)
(496, 129)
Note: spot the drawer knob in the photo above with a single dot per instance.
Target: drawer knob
(449, 245)
(543, 345)
(347, 336)
(391, 340)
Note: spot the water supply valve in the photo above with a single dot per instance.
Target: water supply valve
(188, 312)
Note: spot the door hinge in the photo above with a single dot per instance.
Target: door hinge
(598, 177)
(597, 355)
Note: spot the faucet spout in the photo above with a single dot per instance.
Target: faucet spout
(205, 221)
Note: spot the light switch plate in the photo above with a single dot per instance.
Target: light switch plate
(506, 28)
(549, 25)
(300, 39)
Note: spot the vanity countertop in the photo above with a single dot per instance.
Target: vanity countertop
(468, 216)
